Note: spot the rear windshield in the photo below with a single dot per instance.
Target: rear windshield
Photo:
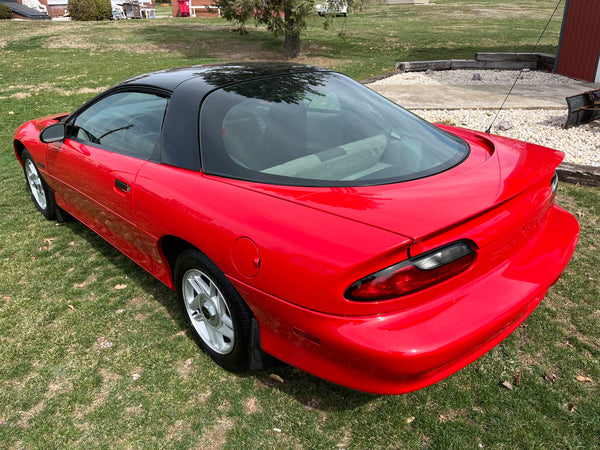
(318, 129)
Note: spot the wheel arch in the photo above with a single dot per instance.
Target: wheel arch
(171, 247)
(19, 147)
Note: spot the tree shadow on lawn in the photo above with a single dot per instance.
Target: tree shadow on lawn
(302, 386)
(218, 42)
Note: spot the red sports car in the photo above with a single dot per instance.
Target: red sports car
(298, 214)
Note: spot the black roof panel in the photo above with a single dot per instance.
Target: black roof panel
(217, 75)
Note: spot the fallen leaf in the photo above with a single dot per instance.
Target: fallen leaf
(517, 379)
(6, 297)
(410, 420)
(276, 377)
(189, 361)
(583, 379)
(71, 307)
(120, 287)
(103, 343)
(136, 376)
(443, 418)
(551, 377)
(312, 404)
(508, 385)
(43, 248)
(570, 407)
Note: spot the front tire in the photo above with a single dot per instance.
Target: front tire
(218, 318)
(41, 193)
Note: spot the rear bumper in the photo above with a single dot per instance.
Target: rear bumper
(410, 349)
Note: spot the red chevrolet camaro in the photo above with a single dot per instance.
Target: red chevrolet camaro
(300, 215)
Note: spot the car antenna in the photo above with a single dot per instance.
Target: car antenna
(521, 71)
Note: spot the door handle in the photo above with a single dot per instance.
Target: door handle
(122, 186)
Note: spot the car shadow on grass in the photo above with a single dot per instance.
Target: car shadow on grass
(306, 389)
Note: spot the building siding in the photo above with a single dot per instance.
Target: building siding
(579, 48)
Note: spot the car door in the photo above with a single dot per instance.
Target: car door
(96, 166)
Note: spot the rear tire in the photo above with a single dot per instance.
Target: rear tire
(41, 193)
(218, 318)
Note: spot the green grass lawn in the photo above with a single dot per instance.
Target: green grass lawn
(163, 9)
(94, 352)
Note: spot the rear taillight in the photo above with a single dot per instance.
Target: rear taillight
(554, 183)
(413, 274)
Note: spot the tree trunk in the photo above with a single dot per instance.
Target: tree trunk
(291, 46)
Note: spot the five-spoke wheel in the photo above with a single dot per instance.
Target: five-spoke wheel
(208, 311)
(217, 315)
(42, 195)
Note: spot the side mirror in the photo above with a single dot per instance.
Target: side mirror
(53, 133)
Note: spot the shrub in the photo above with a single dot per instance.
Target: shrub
(90, 9)
(104, 9)
(5, 12)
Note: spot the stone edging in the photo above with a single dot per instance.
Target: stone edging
(578, 174)
(484, 61)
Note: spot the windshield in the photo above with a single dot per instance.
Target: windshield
(318, 129)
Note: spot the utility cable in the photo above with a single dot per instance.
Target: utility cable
(521, 71)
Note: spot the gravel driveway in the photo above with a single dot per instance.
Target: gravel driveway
(541, 126)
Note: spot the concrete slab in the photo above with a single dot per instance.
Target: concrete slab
(407, 2)
(482, 96)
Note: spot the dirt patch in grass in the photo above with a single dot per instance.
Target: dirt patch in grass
(20, 383)
(100, 398)
(452, 415)
(137, 303)
(56, 387)
(250, 405)
(26, 91)
(85, 90)
(179, 428)
(142, 317)
(134, 410)
(185, 368)
(82, 42)
(85, 283)
(30, 88)
(216, 436)
(505, 11)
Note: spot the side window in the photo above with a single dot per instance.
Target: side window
(125, 122)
